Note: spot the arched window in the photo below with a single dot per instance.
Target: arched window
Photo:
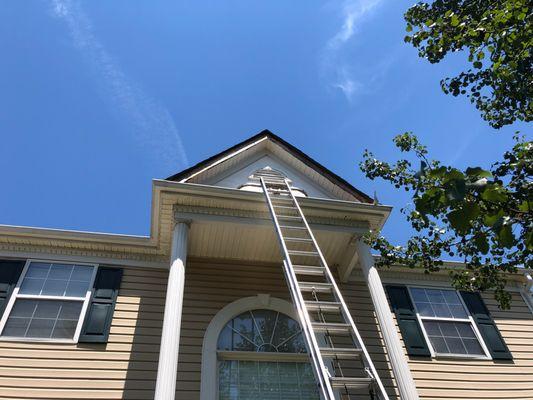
(261, 355)
(254, 349)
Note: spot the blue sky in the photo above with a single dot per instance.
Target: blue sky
(99, 97)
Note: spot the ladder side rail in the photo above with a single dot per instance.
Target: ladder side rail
(340, 299)
(296, 294)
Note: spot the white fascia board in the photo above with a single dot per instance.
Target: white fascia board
(51, 233)
(238, 194)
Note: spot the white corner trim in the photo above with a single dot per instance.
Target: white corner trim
(209, 381)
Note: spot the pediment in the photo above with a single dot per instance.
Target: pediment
(234, 167)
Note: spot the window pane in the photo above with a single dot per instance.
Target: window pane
(435, 296)
(425, 309)
(23, 309)
(40, 328)
(253, 380)
(432, 328)
(473, 347)
(31, 286)
(451, 297)
(439, 345)
(458, 311)
(82, 273)
(64, 329)
(294, 345)
(38, 270)
(16, 327)
(266, 322)
(76, 289)
(465, 331)
(442, 310)
(54, 287)
(43, 319)
(47, 309)
(60, 271)
(225, 341)
(419, 295)
(449, 337)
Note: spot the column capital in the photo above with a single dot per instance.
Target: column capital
(177, 220)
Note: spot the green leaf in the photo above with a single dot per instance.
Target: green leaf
(506, 237)
(491, 219)
(437, 172)
(461, 219)
(524, 206)
(409, 28)
(482, 243)
(454, 21)
(494, 193)
(455, 190)
(478, 172)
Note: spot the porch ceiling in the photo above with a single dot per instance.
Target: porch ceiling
(257, 241)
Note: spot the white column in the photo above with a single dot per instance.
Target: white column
(167, 369)
(400, 368)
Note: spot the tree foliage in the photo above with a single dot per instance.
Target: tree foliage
(483, 216)
(498, 35)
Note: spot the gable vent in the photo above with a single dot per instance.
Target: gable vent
(267, 172)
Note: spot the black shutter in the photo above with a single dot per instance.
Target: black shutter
(102, 305)
(490, 333)
(407, 321)
(10, 271)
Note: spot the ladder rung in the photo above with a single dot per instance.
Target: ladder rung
(344, 353)
(295, 239)
(352, 383)
(299, 228)
(319, 287)
(331, 327)
(308, 269)
(277, 190)
(325, 306)
(303, 253)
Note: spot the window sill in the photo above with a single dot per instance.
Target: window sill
(461, 357)
(36, 340)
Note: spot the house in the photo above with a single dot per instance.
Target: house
(201, 308)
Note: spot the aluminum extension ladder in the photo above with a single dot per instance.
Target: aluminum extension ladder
(340, 361)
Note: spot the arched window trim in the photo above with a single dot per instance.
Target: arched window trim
(209, 381)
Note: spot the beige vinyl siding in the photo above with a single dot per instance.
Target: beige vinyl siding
(473, 379)
(124, 368)
(210, 286)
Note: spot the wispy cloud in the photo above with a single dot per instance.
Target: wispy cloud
(151, 123)
(338, 73)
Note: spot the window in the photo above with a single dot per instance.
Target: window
(49, 302)
(261, 355)
(447, 323)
